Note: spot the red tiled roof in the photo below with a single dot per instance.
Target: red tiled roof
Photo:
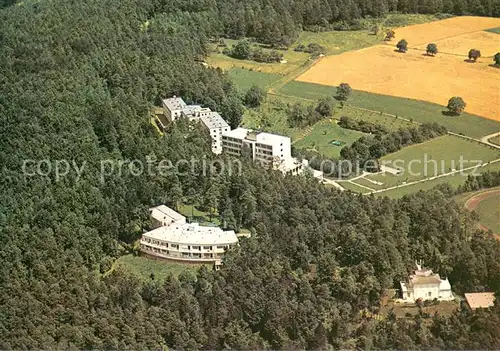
(480, 300)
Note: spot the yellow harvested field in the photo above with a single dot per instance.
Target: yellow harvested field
(422, 34)
(379, 69)
(488, 43)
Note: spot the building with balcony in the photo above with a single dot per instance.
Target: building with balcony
(174, 239)
(188, 242)
(270, 150)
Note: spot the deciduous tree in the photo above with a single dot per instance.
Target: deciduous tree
(474, 54)
(431, 49)
(344, 90)
(456, 105)
(402, 45)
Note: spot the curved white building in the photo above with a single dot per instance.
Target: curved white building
(188, 242)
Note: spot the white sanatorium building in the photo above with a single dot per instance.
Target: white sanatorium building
(426, 285)
(181, 241)
(271, 150)
(176, 108)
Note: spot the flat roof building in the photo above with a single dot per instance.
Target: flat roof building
(176, 108)
(174, 239)
(163, 215)
(216, 125)
(270, 150)
(480, 300)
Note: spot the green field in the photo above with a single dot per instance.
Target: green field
(489, 213)
(321, 136)
(494, 30)
(418, 111)
(335, 42)
(271, 117)
(367, 183)
(244, 79)
(353, 187)
(142, 267)
(293, 60)
(453, 180)
(417, 160)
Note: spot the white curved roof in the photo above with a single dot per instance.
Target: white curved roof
(193, 234)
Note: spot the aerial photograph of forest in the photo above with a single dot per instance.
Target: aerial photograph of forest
(249, 175)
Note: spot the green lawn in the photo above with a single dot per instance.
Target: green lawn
(196, 215)
(391, 123)
(271, 117)
(419, 111)
(367, 183)
(244, 79)
(494, 30)
(323, 133)
(454, 180)
(489, 213)
(142, 267)
(337, 42)
(353, 187)
(445, 150)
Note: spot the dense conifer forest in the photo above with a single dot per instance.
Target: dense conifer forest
(78, 81)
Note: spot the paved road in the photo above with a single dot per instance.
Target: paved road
(486, 139)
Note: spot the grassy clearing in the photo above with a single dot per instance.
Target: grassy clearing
(142, 267)
(494, 30)
(198, 216)
(340, 41)
(293, 60)
(323, 133)
(417, 161)
(454, 181)
(244, 79)
(353, 187)
(271, 117)
(489, 213)
(419, 111)
(367, 183)
(335, 42)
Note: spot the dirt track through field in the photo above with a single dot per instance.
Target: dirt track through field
(379, 69)
(474, 201)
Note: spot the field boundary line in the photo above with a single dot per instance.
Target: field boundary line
(432, 178)
(481, 141)
(360, 185)
(452, 36)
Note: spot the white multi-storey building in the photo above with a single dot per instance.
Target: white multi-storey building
(425, 285)
(188, 242)
(174, 239)
(215, 125)
(176, 108)
(271, 150)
